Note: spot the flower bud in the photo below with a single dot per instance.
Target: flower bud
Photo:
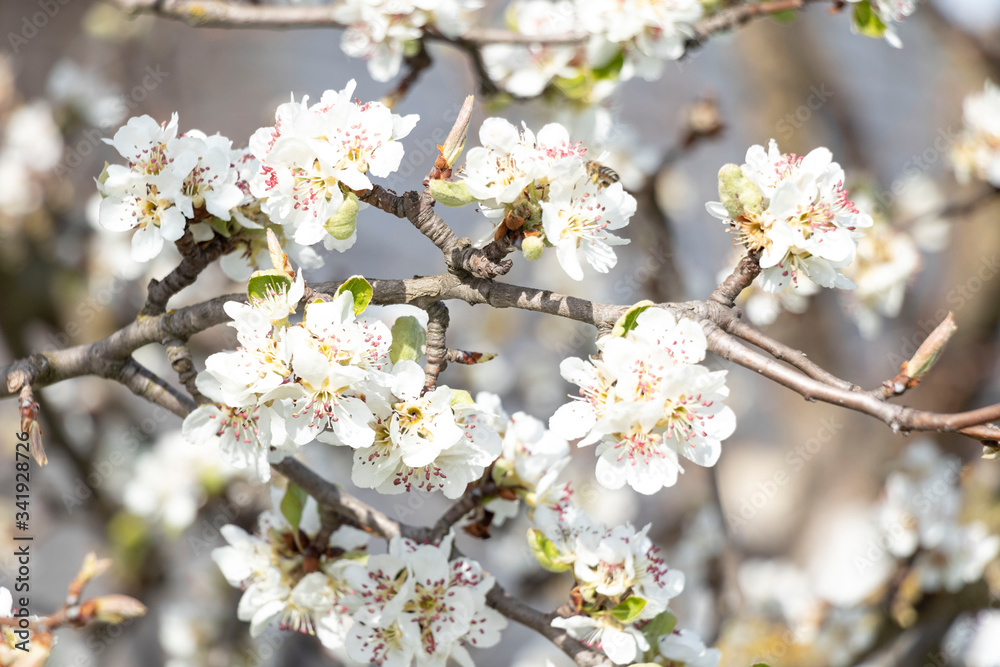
(532, 247)
(455, 143)
(929, 351)
(345, 221)
(408, 339)
(114, 609)
(451, 194)
(738, 193)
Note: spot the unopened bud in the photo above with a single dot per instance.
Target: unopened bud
(113, 609)
(532, 247)
(408, 338)
(929, 351)
(345, 221)
(450, 193)
(455, 143)
(738, 193)
(279, 260)
(991, 450)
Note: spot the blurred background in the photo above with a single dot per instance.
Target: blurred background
(770, 538)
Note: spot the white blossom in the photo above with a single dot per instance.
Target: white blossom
(525, 70)
(314, 156)
(414, 602)
(541, 187)
(685, 649)
(646, 402)
(977, 153)
(646, 33)
(383, 31)
(805, 224)
(277, 580)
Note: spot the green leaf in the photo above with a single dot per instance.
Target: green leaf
(361, 289)
(787, 16)
(408, 338)
(546, 552)
(292, 504)
(627, 322)
(612, 69)
(867, 22)
(451, 193)
(629, 609)
(263, 283)
(660, 625)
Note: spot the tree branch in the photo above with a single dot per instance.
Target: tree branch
(436, 349)
(459, 255)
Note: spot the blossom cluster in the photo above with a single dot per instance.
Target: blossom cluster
(298, 178)
(795, 212)
(920, 518)
(977, 153)
(166, 179)
(619, 41)
(647, 401)
(412, 603)
(623, 587)
(331, 378)
(542, 189)
(531, 460)
(384, 31)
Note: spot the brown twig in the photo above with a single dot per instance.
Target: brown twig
(195, 259)
(459, 255)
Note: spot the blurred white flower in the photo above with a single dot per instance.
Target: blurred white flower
(977, 153)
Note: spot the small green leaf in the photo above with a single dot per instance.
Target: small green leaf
(361, 289)
(264, 283)
(867, 21)
(408, 338)
(627, 322)
(546, 552)
(292, 504)
(787, 16)
(451, 193)
(629, 609)
(660, 625)
(612, 69)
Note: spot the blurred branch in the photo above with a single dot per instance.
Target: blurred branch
(541, 622)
